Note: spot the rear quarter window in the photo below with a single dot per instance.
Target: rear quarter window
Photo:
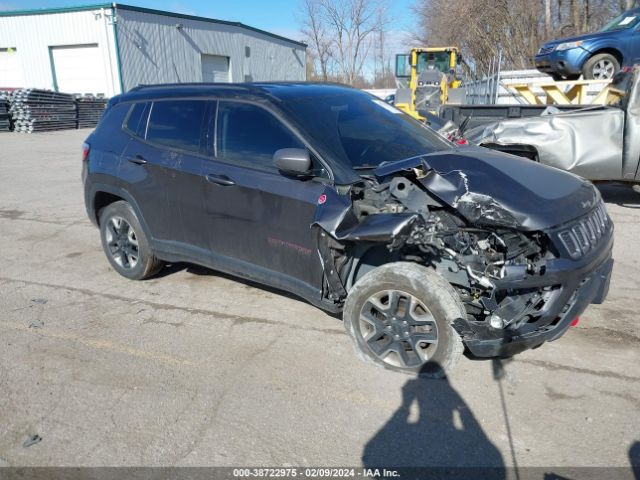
(136, 122)
(112, 120)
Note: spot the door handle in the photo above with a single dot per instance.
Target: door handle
(220, 179)
(138, 160)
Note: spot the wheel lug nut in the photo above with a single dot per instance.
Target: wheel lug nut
(397, 337)
(404, 322)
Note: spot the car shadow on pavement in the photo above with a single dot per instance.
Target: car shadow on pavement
(200, 271)
(619, 194)
(434, 428)
(634, 459)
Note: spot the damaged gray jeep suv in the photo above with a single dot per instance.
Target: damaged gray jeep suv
(324, 191)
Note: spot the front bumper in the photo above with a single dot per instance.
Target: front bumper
(563, 62)
(577, 285)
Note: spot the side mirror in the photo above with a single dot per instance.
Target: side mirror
(293, 160)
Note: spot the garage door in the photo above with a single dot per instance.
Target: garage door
(10, 68)
(78, 69)
(215, 68)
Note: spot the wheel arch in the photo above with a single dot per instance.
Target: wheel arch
(367, 258)
(102, 199)
(608, 49)
(103, 195)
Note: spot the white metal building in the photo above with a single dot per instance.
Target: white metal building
(110, 48)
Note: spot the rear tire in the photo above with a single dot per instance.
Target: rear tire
(399, 317)
(602, 66)
(125, 243)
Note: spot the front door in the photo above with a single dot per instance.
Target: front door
(256, 215)
(633, 47)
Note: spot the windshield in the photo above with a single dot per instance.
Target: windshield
(361, 130)
(435, 60)
(626, 20)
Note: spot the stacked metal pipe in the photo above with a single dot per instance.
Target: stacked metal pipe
(36, 110)
(5, 118)
(90, 109)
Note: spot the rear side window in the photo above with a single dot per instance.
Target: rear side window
(137, 120)
(249, 134)
(177, 123)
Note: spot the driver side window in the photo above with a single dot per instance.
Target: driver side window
(250, 135)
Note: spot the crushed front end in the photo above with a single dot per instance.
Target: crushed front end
(521, 285)
(522, 289)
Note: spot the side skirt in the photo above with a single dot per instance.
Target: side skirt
(171, 251)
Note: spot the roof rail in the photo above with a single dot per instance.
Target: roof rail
(230, 86)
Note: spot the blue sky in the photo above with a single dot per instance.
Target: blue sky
(278, 16)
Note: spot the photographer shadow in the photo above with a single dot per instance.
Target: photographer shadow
(434, 428)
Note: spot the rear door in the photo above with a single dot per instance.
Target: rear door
(633, 46)
(162, 164)
(255, 214)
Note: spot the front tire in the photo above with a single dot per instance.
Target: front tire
(399, 317)
(601, 67)
(125, 243)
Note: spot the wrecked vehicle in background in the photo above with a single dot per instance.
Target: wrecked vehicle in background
(331, 194)
(597, 143)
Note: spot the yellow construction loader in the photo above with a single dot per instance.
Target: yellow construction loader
(428, 78)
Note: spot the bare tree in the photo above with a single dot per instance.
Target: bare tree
(353, 24)
(315, 31)
(547, 17)
(515, 27)
(341, 34)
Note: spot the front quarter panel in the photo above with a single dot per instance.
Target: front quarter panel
(608, 41)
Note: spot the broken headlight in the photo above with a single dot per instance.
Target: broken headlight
(583, 235)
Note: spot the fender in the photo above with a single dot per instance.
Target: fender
(96, 188)
(595, 45)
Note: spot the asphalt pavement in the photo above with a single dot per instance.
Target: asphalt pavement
(195, 368)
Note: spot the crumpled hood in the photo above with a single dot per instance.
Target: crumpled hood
(494, 188)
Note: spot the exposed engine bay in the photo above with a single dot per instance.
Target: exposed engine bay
(472, 258)
(502, 253)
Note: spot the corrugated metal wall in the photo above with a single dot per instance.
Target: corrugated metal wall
(32, 35)
(153, 50)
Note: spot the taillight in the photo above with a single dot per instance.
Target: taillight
(85, 151)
